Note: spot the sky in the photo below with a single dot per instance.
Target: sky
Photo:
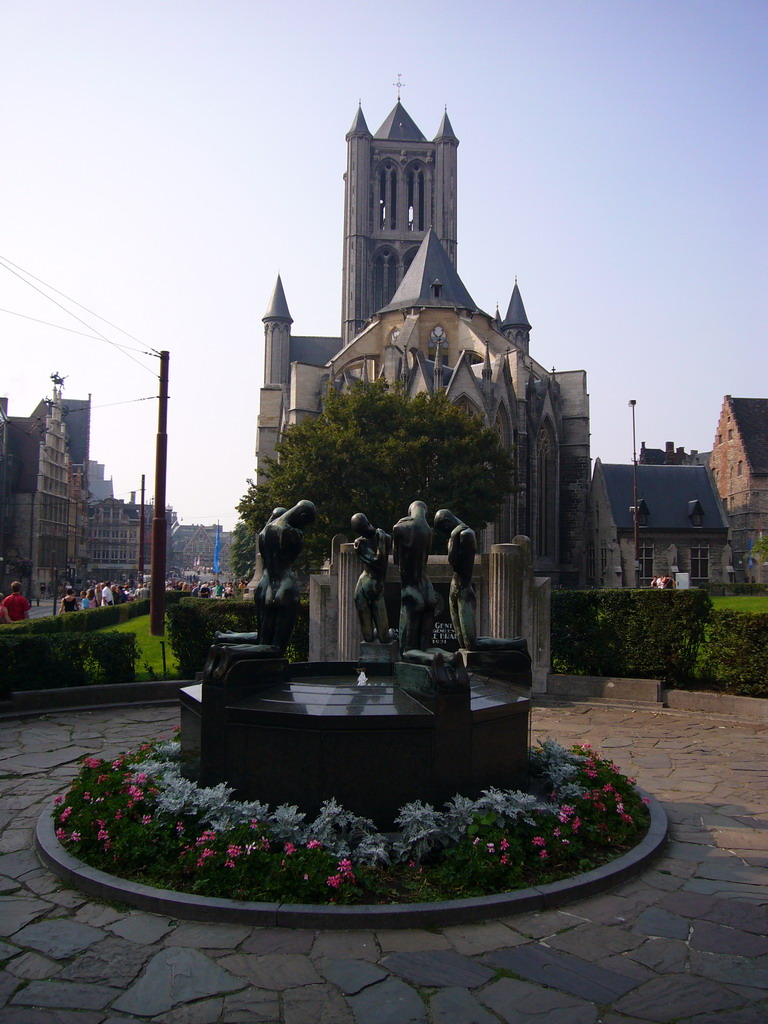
(162, 162)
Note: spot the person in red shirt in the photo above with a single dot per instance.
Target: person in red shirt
(16, 604)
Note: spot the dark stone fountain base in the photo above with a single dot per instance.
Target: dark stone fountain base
(306, 733)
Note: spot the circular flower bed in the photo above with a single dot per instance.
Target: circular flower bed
(140, 818)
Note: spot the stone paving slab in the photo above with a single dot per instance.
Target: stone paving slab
(566, 973)
(687, 938)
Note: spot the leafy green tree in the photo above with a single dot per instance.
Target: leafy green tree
(242, 551)
(375, 450)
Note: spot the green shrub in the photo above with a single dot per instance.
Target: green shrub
(735, 656)
(193, 622)
(81, 622)
(56, 661)
(633, 633)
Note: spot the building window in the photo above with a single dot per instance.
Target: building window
(645, 557)
(740, 468)
(699, 562)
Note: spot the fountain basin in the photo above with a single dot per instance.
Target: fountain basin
(306, 733)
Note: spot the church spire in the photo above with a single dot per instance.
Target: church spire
(516, 326)
(278, 307)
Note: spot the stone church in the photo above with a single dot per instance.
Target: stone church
(408, 316)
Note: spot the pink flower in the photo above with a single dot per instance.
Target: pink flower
(543, 854)
(145, 819)
(646, 800)
(490, 848)
(334, 881)
(504, 844)
(65, 814)
(75, 837)
(61, 835)
(58, 800)
(504, 859)
(306, 878)
(91, 762)
(539, 841)
(289, 849)
(179, 828)
(313, 844)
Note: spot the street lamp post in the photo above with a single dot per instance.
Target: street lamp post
(632, 404)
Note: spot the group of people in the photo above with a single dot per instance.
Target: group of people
(663, 583)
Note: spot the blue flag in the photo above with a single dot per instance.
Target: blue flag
(217, 549)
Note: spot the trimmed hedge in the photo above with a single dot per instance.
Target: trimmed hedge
(735, 656)
(192, 623)
(646, 634)
(79, 622)
(737, 589)
(59, 660)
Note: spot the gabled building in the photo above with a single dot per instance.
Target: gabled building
(44, 492)
(740, 466)
(408, 316)
(682, 528)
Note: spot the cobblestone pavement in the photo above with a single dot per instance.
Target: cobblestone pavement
(685, 941)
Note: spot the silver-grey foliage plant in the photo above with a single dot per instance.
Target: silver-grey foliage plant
(423, 829)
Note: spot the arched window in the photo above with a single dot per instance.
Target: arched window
(546, 492)
(437, 338)
(388, 197)
(384, 277)
(415, 184)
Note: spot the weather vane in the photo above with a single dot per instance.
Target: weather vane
(399, 85)
(57, 379)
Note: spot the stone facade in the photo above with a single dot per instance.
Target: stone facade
(408, 317)
(682, 528)
(740, 466)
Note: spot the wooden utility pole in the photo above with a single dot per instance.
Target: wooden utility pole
(141, 535)
(159, 536)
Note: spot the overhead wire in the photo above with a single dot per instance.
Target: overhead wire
(19, 272)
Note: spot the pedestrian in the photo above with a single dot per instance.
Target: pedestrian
(69, 602)
(4, 616)
(16, 604)
(107, 597)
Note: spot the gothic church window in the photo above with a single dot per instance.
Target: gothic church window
(437, 338)
(546, 492)
(384, 278)
(388, 198)
(415, 199)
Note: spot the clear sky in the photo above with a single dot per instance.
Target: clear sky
(162, 161)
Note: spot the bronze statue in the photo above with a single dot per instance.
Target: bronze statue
(462, 548)
(280, 544)
(372, 547)
(412, 536)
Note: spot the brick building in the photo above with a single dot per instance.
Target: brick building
(739, 463)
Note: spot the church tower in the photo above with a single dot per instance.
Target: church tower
(398, 184)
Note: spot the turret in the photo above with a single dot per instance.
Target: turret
(515, 325)
(277, 337)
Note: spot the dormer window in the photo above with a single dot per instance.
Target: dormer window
(642, 512)
(437, 289)
(695, 513)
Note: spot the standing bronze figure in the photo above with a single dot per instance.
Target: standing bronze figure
(412, 536)
(462, 548)
(373, 547)
(280, 544)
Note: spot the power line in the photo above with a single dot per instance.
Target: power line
(61, 327)
(121, 348)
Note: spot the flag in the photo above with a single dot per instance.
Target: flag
(217, 549)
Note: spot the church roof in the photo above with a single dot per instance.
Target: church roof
(400, 127)
(359, 127)
(751, 415)
(445, 131)
(431, 280)
(668, 492)
(516, 315)
(314, 351)
(278, 307)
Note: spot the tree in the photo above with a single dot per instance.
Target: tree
(242, 551)
(375, 450)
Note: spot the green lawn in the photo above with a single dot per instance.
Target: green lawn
(150, 663)
(742, 603)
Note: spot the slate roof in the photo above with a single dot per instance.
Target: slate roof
(400, 127)
(278, 307)
(751, 415)
(516, 315)
(667, 492)
(431, 264)
(77, 420)
(359, 127)
(314, 351)
(445, 131)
